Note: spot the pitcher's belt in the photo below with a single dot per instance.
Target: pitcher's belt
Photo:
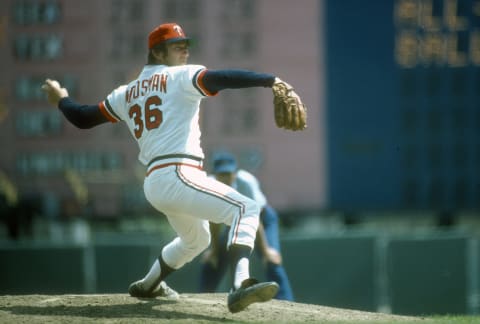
(163, 161)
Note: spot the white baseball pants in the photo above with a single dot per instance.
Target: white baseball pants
(190, 199)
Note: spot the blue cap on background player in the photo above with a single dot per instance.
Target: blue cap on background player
(224, 163)
(166, 33)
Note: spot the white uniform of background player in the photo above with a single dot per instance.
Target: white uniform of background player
(248, 184)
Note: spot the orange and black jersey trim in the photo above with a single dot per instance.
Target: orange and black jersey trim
(108, 111)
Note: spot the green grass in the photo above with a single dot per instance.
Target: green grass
(438, 319)
(455, 319)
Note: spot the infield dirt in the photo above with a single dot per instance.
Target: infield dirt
(190, 308)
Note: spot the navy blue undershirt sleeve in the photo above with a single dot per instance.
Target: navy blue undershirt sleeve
(82, 116)
(216, 80)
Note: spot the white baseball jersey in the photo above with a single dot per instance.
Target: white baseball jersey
(248, 185)
(155, 112)
(161, 110)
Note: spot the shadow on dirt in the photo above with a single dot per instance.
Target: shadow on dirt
(151, 309)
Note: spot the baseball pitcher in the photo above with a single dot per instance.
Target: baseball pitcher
(161, 110)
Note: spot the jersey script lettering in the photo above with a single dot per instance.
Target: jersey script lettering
(157, 82)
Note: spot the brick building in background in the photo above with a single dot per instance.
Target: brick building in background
(93, 46)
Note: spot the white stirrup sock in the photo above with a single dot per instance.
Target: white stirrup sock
(152, 275)
(241, 272)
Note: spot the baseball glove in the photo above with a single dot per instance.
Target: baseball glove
(290, 112)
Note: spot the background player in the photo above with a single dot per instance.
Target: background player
(161, 110)
(214, 266)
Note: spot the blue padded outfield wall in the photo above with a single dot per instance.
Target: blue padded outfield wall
(403, 115)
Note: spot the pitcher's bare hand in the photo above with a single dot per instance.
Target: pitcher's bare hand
(54, 91)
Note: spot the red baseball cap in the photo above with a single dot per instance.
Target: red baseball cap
(169, 33)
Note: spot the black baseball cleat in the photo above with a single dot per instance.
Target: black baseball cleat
(251, 291)
(137, 289)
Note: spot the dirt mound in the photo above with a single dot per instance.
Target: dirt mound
(190, 308)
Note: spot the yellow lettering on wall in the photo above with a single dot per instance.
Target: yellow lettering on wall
(475, 47)
(451, 18)
(406, 12)
(406, 49)
(455, 58)
(432, 49)
(427, 20)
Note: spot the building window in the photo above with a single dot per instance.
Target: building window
(29, 88)
(137, 45)
(137, 10)
(70, 83)
(38, 123)
(55, 163)
(127, 10)
(238, 44)
(127, 46)
(238, 9)
(182, 9)
(238, 38)
(31, 12)
(34, 47)
(240, 116)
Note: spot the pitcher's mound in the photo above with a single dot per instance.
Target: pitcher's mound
(190, 308)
